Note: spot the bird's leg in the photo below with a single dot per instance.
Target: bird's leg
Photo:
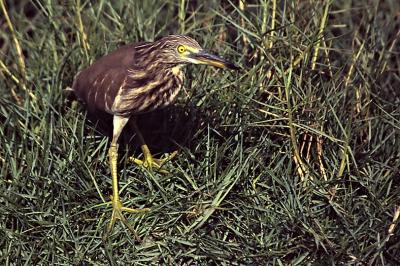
(118, 124)
(149, 161)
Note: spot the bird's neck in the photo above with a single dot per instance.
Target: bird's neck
(177, 70)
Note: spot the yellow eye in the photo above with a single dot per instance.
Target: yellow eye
(181, 49)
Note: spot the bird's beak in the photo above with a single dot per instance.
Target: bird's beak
(203, 57)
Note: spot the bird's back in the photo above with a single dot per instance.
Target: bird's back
(98, 84)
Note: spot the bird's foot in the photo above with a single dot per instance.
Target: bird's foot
(150, 163)
(118, 208)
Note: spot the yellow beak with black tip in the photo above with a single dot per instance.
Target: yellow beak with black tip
(203, 57)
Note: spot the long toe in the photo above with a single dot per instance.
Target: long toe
(117, 214)
(151, 163)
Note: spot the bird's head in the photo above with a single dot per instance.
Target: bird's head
(180, 49)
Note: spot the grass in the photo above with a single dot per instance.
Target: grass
(293, 161)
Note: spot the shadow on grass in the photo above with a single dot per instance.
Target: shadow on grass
(164, 130)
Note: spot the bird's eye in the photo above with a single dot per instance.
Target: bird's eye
(181, 49)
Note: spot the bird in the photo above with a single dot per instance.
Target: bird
(134, 79)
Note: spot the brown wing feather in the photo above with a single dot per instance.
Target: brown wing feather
(98, 84)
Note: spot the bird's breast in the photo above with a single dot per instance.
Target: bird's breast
(170, 92)
(158, 92)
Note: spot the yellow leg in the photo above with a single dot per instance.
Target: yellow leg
(148, 161)
(118, 208)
